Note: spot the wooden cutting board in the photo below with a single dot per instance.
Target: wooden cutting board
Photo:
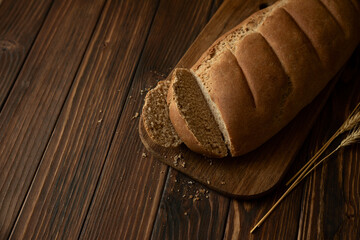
(258, 172)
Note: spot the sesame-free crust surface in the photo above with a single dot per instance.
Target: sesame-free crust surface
(258, 172)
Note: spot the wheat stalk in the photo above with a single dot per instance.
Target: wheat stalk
(352, 121)
(351, 138)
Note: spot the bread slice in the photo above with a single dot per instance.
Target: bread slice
(191, 116)
(155, 117)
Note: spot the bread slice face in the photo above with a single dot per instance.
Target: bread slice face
(192, 117)
(155, 117)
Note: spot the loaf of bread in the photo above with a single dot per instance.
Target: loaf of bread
(255, 79)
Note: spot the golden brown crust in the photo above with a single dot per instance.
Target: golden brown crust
(286, 60)
(263, 72)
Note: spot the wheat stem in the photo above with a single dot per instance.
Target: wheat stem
(295, 183)
(352, 138)
(352, 121)
(314, 158)
(302, 176)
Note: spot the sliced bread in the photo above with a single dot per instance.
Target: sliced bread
(155, 117)
(191, 116)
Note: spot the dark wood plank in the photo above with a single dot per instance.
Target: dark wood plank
(188, 210)
(331, 199)
(20, 22)
(283, 223)
(129, 191)
(65, 182)
(32, 108)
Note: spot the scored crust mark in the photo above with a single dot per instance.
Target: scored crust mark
(289, 85)
(289, 82)
(332, 15)
(228, 41)
(278, 59)
(355, 5)
(345, 12)
(245, 80)
(284, 98)
(310, 43)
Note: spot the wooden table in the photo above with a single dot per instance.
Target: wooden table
(73, 75)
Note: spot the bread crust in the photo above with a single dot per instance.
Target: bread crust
(260, 74)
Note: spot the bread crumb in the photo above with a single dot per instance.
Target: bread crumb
(179, 159)
(143, 155)
(185, 213)
(207, 181)
(99, 121)
(183, 164)
(135, 116)
(222, 182)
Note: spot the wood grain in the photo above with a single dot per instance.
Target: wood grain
(32, 108)
(331, 200)
(20, 22)
(70, 158)
(64, 184)
(282, 224)
(129, 191)
(188, 210)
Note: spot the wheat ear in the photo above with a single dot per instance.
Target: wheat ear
(352, 121)
(352, 138)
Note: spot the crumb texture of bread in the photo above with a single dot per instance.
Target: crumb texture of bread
(155, 115)
(195, 113)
